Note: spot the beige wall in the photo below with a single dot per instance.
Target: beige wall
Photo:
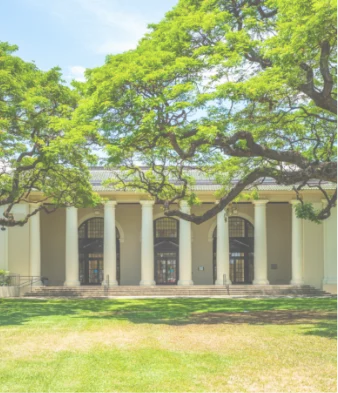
(53, 244)
(278, 221)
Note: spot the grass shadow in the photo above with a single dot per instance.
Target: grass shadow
(319, 314)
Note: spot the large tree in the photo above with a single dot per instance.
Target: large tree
(44, 149)
(238, 89)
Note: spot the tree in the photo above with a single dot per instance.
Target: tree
(43, 148)
(238, 89)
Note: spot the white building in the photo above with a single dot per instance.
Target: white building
(130, 240)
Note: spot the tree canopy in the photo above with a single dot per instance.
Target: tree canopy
(241, 90)
(44, 147)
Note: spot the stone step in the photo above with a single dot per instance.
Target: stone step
(198, 290)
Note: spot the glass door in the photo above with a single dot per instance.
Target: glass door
(166, 268)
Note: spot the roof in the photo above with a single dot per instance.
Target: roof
(202, 181)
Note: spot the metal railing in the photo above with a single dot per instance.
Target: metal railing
(9, 280)
(225, 283)
(26, 281)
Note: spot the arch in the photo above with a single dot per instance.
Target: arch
(90, 215)
(166, 250)
(91, 250)
(213, 225)
(241, 243)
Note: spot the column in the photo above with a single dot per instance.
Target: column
(34, 244)
(296, 247)
(185, 253)
(330, 251)
(72, 248)
(3, 243)
(223, 249)
(109, 244)
(260, 256)
(147, 244)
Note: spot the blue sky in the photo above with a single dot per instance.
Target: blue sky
(76, 34)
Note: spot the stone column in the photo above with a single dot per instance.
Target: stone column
(260, 255)
(223, 248)
(330, 251)
(109, 244)
(147, 244)
(72, 248)
(296, 247)
(34, 244)
(185, 253)
(3, 243)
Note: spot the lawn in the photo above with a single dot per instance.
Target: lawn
(168, 345)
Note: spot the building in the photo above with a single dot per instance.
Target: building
(129, 241)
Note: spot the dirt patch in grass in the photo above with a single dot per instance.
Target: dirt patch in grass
(279, 317)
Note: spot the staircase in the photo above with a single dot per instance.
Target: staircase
(177, 291)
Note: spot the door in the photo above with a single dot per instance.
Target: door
(95, 271)
(166, 268)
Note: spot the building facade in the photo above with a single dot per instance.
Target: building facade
(129, 241)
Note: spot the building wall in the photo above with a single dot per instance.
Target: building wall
(278, 221)
(53, 243)
(128, 218)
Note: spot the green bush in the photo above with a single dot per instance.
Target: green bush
(5, 279)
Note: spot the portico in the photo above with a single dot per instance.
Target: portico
(180, 260)
(129, 241)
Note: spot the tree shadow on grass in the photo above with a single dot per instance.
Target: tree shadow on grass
(318, 314)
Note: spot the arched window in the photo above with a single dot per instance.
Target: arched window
(166, 247)
(91, 234)
(241, 241)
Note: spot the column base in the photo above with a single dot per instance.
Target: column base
(220, 282)
(111, 283)
(72, 283)
(260, 282)
(296, 282)
(145, 283)
(185, 282)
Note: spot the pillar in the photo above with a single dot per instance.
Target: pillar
(296, 247)
(223, 249)
(109, 244)
(34, 245)
(185, 251)
(330, 251)
(3, 243)
(72, 248)
(260, 255)
(147, 244)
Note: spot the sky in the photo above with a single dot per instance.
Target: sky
(76, 34)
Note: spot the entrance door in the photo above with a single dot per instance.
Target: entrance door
(166, 268)
(166, 251)
(95, 271)
(91, 234)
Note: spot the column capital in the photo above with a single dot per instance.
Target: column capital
(294, 202)
(110, 204)
(147, 203)
(34, 206)
(260, 201)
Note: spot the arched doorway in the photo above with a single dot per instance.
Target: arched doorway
(91, 233)
(166, 247)
(241, 239)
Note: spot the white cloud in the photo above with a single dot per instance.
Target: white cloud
(77, 73)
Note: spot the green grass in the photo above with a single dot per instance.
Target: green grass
(198, 345)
